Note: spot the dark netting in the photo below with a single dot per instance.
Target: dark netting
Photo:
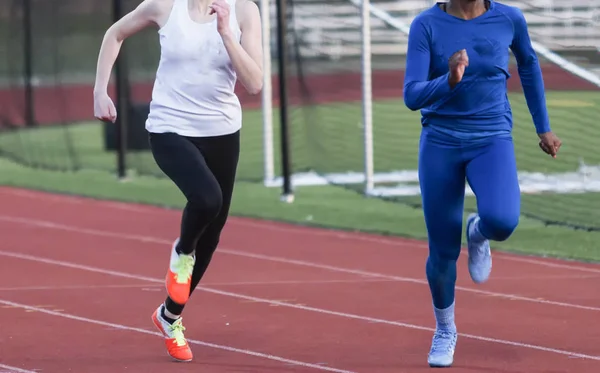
(49, 52)
(61, 132)
(562, 191)
(325, 86)
(326, 95)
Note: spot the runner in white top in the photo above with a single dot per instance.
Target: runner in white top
(194, 124)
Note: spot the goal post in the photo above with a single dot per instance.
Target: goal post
(367, 93)
(312, 48)
(267, 93)
(349, 126)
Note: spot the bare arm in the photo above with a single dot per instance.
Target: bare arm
(246, 55)
(148, 13)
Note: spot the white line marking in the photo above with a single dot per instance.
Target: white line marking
(143, 286)
(405, 279)
(295, 282)
(405, 243)
(148, 239)
(297, 306)
(191, 341)
(83, 267)
(73, 287)
(545, 263)
(45, 196)
(10, 369)
(71, 228)
(544, 278)
(401, 242)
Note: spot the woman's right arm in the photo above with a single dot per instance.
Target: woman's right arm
(419, 92)
(148, 13)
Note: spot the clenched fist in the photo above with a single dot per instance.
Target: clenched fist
(104, 108)
(457, 64)
(221, 8)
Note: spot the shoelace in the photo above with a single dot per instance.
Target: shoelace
(177, 330)
(184, 268)
(443, 341)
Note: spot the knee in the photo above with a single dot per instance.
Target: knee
(498, 227)
(439, 265)
(442, 258)
(440, 269)
(207, 202)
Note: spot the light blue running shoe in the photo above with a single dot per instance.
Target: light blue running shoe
(443, 345)
(480, 255)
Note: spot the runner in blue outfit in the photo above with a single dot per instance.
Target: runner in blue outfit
(456, 74)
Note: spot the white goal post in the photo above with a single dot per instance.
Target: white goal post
(584, 179)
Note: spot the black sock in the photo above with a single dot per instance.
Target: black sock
(174, 308)
(162, 314)
(178, 249)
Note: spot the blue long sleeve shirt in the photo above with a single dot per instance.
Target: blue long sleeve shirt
(478, 106)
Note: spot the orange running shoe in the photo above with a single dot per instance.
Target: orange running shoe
(179, 276)
(177, 346)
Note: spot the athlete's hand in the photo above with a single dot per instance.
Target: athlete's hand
(457, 65)
(104, 108)
(550, 143)
(221, 8)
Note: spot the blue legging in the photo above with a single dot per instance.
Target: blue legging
(489, 166)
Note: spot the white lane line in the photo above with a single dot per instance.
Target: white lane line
(298, 306)
(149, 239)
(10, 369)
(404, 243)
(191, 341)
(233, 283)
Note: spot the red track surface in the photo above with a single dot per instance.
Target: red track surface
(80, 279)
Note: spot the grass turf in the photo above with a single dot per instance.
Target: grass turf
(331, 145)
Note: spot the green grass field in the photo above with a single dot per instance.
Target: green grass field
(332, 144)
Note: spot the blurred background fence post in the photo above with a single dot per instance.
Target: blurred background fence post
(282, 58)
(28, 64)
(122, 99)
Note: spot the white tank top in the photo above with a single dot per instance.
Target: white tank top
(193, 93)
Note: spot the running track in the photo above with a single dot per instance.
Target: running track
(80, 279)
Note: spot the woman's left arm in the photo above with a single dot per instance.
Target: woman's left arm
(532, 82)
(245, 55)
(530, 73)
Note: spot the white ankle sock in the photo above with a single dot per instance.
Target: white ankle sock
(169, 314)
(445, 318)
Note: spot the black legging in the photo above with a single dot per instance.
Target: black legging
(204, 169)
